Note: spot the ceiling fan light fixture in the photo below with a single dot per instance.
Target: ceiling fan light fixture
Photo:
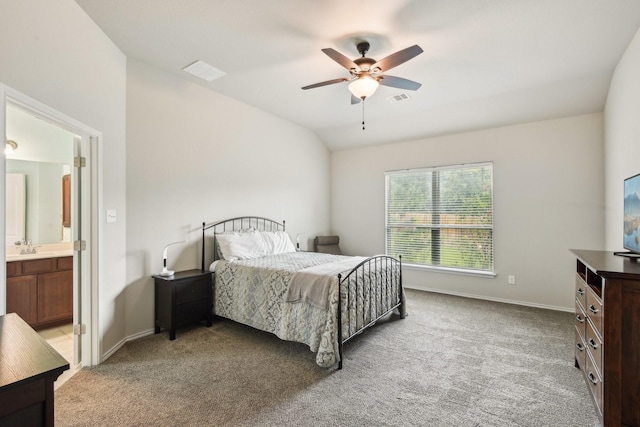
(363, 87)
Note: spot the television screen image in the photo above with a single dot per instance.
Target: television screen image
(632, 214)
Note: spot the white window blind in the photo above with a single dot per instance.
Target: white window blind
(441, 216)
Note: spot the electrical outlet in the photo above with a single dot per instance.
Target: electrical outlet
(512, 280)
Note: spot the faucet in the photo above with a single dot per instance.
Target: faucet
(29, 249)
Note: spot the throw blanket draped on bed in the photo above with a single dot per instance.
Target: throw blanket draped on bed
(312, 284)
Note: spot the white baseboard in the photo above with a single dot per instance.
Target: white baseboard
(123, 341)
(486, 298)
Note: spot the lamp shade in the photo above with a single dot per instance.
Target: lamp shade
(164, 271)
(363, 87)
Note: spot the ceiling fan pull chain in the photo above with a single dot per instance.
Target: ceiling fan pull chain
(362, 113)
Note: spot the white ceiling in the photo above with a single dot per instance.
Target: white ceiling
(486, 63)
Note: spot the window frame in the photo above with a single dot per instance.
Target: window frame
(490, 273)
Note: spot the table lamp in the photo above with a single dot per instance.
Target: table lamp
(164, 271)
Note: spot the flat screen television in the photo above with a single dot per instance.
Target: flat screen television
(631, 238)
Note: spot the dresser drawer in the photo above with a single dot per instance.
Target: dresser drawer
(594, 310)
(595, 384)
(581, 351)
(581, 290)
(193, 290)
(580, 320)
(594, 346)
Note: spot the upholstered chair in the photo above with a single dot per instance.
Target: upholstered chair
(327, 244)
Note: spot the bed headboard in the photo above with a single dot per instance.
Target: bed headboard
(238, 224)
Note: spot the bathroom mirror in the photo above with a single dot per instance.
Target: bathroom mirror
(42, 153)
(44, 200)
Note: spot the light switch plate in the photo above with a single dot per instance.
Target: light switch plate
(111, 215)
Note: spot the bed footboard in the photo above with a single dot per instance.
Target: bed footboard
(369, 292)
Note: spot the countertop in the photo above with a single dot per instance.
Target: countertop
(53, 250)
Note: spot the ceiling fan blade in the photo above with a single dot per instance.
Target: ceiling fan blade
(399, 82)
(354, 99)
(397, 58)
(341, 59)
(328, 82)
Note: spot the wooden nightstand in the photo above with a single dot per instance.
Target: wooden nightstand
(184, 298)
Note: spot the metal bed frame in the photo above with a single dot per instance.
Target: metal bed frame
(386, 269)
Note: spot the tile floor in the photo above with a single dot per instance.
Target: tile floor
(61, 339)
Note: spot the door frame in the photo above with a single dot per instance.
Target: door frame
(88, 224)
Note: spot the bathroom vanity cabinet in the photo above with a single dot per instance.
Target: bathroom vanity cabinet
(41, 290)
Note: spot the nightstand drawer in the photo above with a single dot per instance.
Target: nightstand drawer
(192, 311)
(193, 290)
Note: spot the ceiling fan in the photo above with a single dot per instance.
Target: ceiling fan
(366, 73)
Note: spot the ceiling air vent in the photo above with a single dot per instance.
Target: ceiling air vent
(397, 98)
(204, 71)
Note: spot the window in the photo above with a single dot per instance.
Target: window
(442, 217)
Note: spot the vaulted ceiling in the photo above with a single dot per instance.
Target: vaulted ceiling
(486, 63)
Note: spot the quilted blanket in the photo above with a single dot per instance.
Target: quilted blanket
(253, 292)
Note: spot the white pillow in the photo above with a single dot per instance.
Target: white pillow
(253, 244)
(241, 245)
(277, 242)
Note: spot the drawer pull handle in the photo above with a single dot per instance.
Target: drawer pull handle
(593, 378)
(579, 347)
(579, 318)
(580, 291)
(593, 344)
(593, 309)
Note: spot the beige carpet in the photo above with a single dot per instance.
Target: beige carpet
(451, 362)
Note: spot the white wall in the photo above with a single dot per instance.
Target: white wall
(622, 138)
(196, 156)
(548, 198)
(53, 52)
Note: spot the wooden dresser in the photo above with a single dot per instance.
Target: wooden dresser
(28, 368)
(607, 335)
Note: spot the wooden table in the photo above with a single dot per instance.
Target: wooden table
(28, 368)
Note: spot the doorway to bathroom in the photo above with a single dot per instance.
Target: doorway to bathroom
(49, 249)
